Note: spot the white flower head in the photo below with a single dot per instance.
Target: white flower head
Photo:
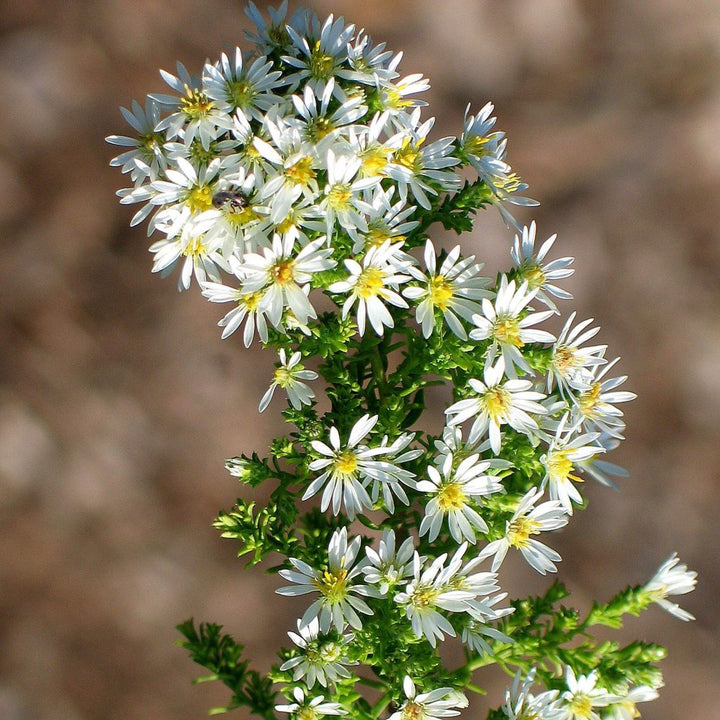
(506, 324)
(387, 567)
(497, 404)
(672, 578)
(583, 696)
(289, 376)
(522, 704)
(310, 708)
(438, 703)
(321, 657)
(338, 603)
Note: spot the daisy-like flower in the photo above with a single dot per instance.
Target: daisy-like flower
(497, 404)
(346, 468)
(626, 709)
(273, 35)
(145, 159)
(321, 52)
(595, 407)
(453, 490)
(414, 164)
(371, 64)
(310, 709)
(582, 698)
(429, 591)
(285, 277)
(371, 285)
(453, 290)
(570, 364)
(232, 85)
(394, 98)
(477, 633)
(439, 703)
(321, 657)
(528, 520)
(564, 452)
(343, 199)
(505, 323)
(249, 308)
(195, 116)
(386, 221)
(532, 269)
(338, 603)
(387, 567)
(671, 578)
(522, 704)
(289, 376)
(483, 148)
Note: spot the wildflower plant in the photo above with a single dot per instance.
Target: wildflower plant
(302, 168)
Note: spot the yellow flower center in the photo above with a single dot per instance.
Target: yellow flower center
(564, 360)
(581, 706)
(506, 330)
(559, 466)
(451, 496)
(413, 711)
(319, 128)
(321, 64)
(409, 155)
(195, 248)
(339, 196)
(283, 272)
(378, 233)
(374, 159)
(534, 275)
(424, 597)
(301, 173)
(476, 145)
(510, 183)
(588, 401)
(251, 301)
(195, 104)
(284, 376)
(199, 198)
(241, 93)
(520, 529)
(370, 282)
(497, 402)
(306, 712)
(440, 291)
(333, 585)
(331, 652)
(346, 463)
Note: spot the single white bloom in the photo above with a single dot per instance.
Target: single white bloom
(506, 324)
(310, 709)
(580, 700)
(497, 404)
(528, 520)
(522, 704)
(338, 603)
(452, 491)
(439, 703)
(387, 567)
(454, 289)
(626, 709)
(249, 309)
(289, 376)
(672, 578)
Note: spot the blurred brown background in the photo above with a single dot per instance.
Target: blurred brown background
(119, 402)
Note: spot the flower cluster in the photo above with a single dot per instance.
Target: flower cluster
(300, 183)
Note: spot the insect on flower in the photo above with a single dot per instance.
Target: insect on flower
(235, 201)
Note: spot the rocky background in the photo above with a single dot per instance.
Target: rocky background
(119, 402)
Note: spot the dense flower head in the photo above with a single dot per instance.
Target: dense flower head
(299, 180)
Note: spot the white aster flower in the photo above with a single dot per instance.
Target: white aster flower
(310, 709)
(484, 148)
(439, 703)
(289, 376)
(626, 709)
(570, 364)
(233, 84)
(595, 407)
(583, 697)
(429, 591)
(453, 490)
(347, 468)
(454, 290)
(249, 308)
(526, 521)
(672, 579)
(478, 633)
(414, 165)
(532, 269)
(507, 325)
(285, 277)
(564, 452)
(338, 603)
(522, 704)
(386, 221)
(387, 567)
(321, 657)
(371, 285)
(497, 404)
